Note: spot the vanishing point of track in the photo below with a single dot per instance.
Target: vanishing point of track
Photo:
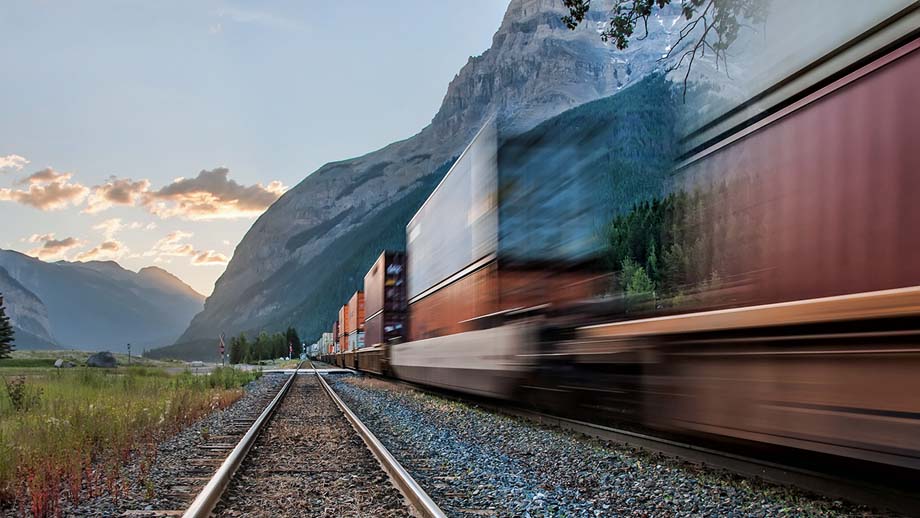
(301, 457)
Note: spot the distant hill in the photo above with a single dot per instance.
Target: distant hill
(98, 304)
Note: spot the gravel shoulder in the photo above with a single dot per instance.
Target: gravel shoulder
(475, 463)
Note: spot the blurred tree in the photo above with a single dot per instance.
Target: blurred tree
(262, 347)
(245, 349)
(239, 349)
(279, 345)
(712, 25)
(293, 340)
(6, 332)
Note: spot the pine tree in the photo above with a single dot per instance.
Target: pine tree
(6, 332)
(245, 349)
(235, 351)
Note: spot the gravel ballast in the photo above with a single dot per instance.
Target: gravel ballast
(309, 461)
(474, 462)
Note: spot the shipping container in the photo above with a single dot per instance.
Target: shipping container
(333, 346)
(343, 328)
(326, 342)
(385, 327)
(355, 309)
(477, 300)
(355, 340)
(516, 222)
(385, 284)
(385, 299)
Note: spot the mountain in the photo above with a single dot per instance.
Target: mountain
(100, 305)
(28, 314)
(311, 248)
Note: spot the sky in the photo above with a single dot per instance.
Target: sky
(154, 133)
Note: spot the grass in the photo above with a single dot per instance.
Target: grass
(78, 357)
(68, 432)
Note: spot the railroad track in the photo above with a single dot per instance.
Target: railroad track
(305, 454)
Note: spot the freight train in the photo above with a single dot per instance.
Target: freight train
(808, 338)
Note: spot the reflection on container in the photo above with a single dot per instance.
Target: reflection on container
(355, 340)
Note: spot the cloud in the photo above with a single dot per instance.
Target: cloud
(12, 163)
(39, 238)
(46, 175)
(53, 248)
(107, 250)
(212, 195)
(116, 191)
(47, 190)
(210, 257)
(258, 17)
(173, 245)
(109, 227)
(113, 226)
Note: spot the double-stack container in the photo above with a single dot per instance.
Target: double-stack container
(344, 325)
(333, 345)
(355, 326)
(327, 341)
(385, 299)
(513, 224)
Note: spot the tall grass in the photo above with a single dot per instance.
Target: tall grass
(68, 433)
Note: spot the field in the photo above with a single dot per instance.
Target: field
(68, 432)
(46, 359)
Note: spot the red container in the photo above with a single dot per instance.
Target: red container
(355, 309)
(822, 199)
(385, 284)
(385, 299)
(461, 305)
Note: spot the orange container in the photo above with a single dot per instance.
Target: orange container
(343, 328)
(355, 309)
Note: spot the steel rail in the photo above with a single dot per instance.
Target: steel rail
(211, 494)
(403, 480)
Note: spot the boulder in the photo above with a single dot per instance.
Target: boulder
(102, 359)
(63, 364)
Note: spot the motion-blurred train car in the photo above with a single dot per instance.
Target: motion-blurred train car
(512, 226)
(507, 228)
(770, 295)
(810, 192)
